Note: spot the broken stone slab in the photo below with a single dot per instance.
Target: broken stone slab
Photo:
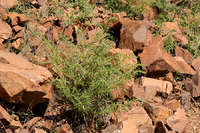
(144, 93)
(185, 54)
(156, 59)
(172, 104)
(178, 121)
(8, 3)
(184, 67)
(23, 82)
(139, 91)
(196, 63)
(17, 18)
(5, 31)
(157, 112)
(136, 117)
(173, 27)
(160, 85)
(5, 117)
(193, 85)
(133, 35)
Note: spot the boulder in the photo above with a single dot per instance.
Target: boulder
(178, 121)
(137, 117)
(157, 60)
(8, 3)
(138, 91)
(175, 30)
(185, 54)
(17, 18)
(184, 67)
(157, 112)
(23, 82)
(172, 104)
(144, 92)
(160, 85)
(133, 35)
(3, 13)
(5, 31)
(196, 63)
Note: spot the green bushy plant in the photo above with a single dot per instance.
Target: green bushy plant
(86, 76)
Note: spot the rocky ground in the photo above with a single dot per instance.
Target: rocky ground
(165, 96)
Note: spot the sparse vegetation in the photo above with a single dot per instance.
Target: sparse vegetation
(87, 75)
(133, 8)
(177, 12)
(72, 38)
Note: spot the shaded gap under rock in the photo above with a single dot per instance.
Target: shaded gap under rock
(40, 108)
(159, 128)
(137, 52)
(156, 74)
(57, 22)
(168, 127)
(74, 35)
(139, 68)
(115, 33)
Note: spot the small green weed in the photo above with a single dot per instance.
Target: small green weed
(169, 45)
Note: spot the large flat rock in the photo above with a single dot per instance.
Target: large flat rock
(22, 81)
